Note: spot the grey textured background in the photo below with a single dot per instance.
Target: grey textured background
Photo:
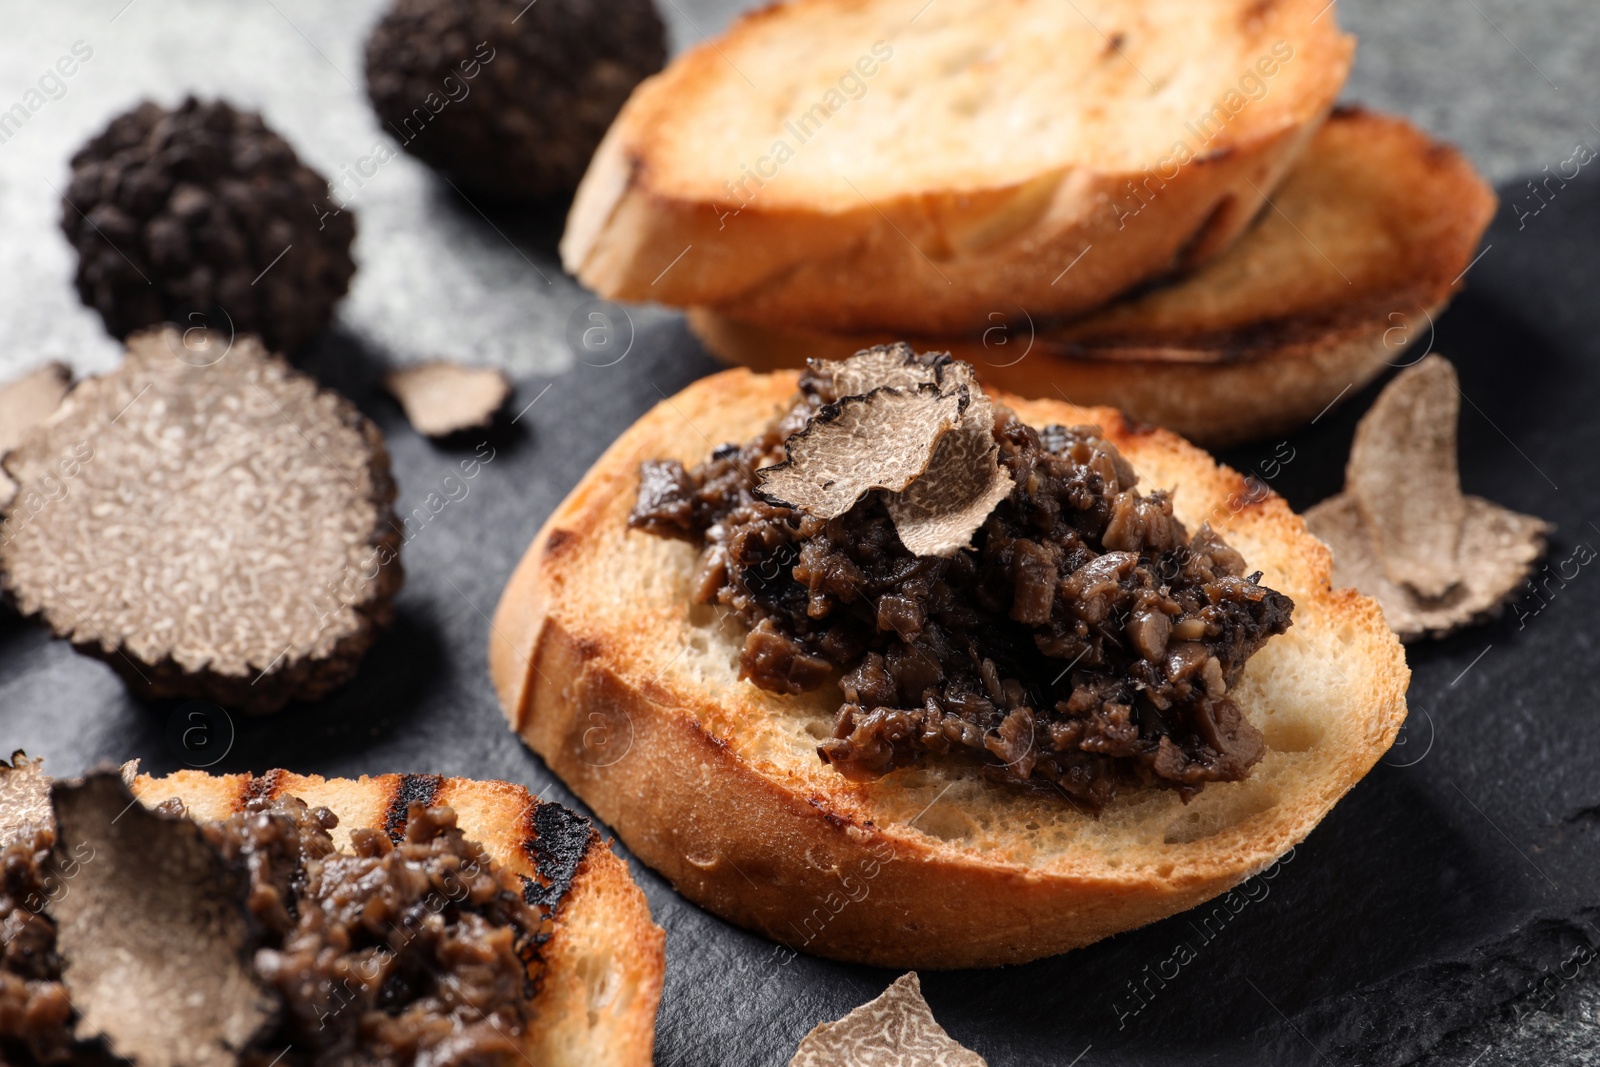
(1517, 84)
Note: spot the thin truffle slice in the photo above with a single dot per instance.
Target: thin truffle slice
(891, 429)
(212, 526)
(24, 797)
(882, 440)
(444, 398)
(1410, 496)
(895, 366)
(1499, 548)
(1403, 533)
(937, 514)
(154, 931)
(25, 403)
(895, 1030)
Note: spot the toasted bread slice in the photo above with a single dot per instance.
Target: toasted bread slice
(632, 695)
(1368, 238)
(866, 164)
(604, 961)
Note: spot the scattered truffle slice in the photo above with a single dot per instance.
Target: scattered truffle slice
(225, 532)
(895, 1030)
(1403, 528)
(24, 797)
(445, 398)
(937, 514)
(1411, 497)
(882, 440)
(25, 403)
(1499, 548)
(154, 930)
(205, 211)
(505, 97)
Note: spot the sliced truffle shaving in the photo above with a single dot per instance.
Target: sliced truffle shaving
(937, 514)
(895, 366)
(882, 440)
(24, 796)
(445, 398)
(154, 931)
(209, 522)
(1499, 549)
(25, 403)
(1403, 475)
(895, 1030)
(1402, 531)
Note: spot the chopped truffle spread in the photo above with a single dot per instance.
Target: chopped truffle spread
(35, 1012)
(1083, 641)
(416, 952)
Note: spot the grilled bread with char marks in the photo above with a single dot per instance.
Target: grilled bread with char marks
(604, 961)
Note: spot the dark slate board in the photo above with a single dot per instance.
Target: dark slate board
(1462, 871)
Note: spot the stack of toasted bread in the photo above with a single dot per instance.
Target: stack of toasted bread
(1154, 206)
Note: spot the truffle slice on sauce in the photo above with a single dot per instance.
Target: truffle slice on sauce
(919, 430)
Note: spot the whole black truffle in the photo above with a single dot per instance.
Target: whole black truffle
(505, 97)
(204, 216)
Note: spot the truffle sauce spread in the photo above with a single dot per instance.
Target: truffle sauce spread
(1073, 637)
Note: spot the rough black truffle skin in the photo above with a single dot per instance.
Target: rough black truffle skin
(509, 99)
(182, 215)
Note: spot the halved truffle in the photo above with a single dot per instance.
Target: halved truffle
(207, 521)
(154, 931)
(205, 217)
(509, 98)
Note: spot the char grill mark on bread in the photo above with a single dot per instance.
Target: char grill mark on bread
(264, 787)
(720, 788)
(1259, 340)
(557, 843)
(410, 789)
(901, 208)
